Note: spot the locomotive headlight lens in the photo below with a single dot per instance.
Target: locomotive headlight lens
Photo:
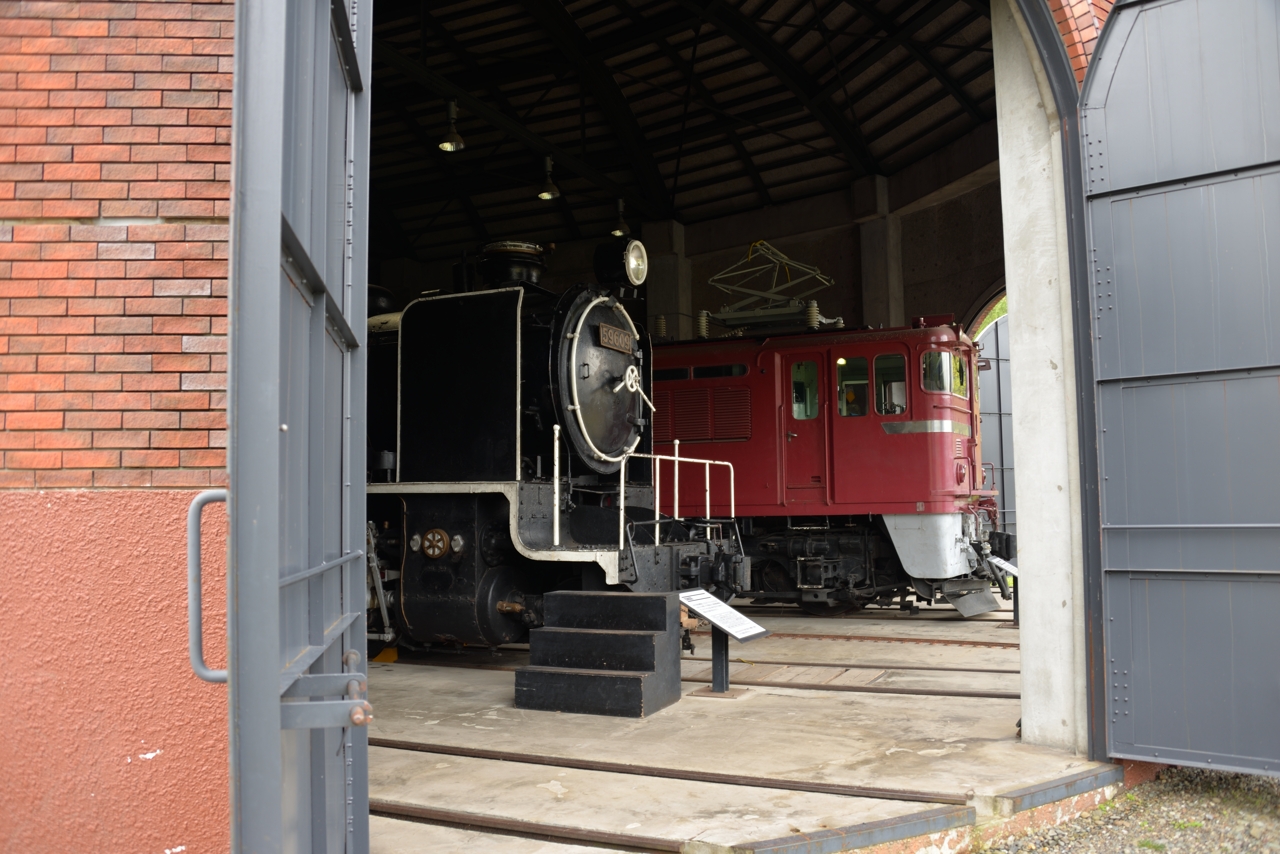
(636, 261)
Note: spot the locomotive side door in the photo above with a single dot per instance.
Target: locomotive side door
(804, 424)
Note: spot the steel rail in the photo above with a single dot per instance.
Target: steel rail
(519, 827)
(674, 773)
(765, 683)
(840, 666)
(866, 689)
(933, 641)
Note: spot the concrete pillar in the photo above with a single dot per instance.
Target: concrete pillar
(1037, 274)
(669, 287)
(881, 238)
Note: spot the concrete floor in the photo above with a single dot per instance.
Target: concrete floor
(955, 745)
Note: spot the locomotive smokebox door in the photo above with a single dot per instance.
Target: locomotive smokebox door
(598, 382)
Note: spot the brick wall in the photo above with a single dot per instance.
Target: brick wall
(1080, 22)
(114, 167)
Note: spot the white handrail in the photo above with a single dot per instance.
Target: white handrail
(555, 479)
(676, 461)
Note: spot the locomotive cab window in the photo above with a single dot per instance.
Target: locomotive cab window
(851, 386)
(945, 372)
(668, 374)
(891, 384)
(804, 390)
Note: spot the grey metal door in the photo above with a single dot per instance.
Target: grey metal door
(1181, 130)
(296, 603)
(996, 412)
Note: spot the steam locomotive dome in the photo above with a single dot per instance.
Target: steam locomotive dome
(598, 369)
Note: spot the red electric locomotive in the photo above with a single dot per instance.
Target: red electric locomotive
(856, 459)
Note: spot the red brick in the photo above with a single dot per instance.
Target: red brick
(180, 362)
(19, 288)
(208, 190)
(10, 440)
(62, 362)
(163, 81)
(181, 325)
(122, 362)
(20, 251)
(187, 134)
(166, 46)
(95, 306)
(157, 190)
(182, 250)
(34, 421)
(41, 233)
(93, 382)
(62, 440)
(100, 190)
(36, 382)
(17, 364)
(153, 343)
(174, 478)
(15, 402)
(77, 99)
(38, 307)
(152, 382)
(23, 62)
(122, 438)
(44, 190)
(72, 172)
(211, 420)
(127, 326)
(211, 458)
(190, 64)
(182, 287)
(93, 420)
(206, 381)
(25, 27)
(212, 47)
(34, 459)
(158, 153)
(17, 479)
(149, 459)
(152, 420)
(208, 232)
(209, 118)
(126, 251)
(101, 153)
(68, 251)
(11, 98)
(180, 400)
(179, 439)
(133, 135)
(130, 207)
(163, 117)
(99, 233)
(105, 80)
(183, 101)
(63, 400)
(209, 153)
(75, 288)
(15, 210)
(96, 459)
(38, 344)
(121, 478)
(35, 172)
(45, 80)
(17, 326)
(79, 208)
(129, 172)
(186, 208)
(153, 233)
(77, 63)
(132, 99)
(124, 287)
(64, 326)
(214, 305)
(121, 400)
(153, 305)
(63, 479)
(94, 343)
(133, 63)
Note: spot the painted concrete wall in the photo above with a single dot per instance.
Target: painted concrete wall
(112, 745)
(1037, 275)
(952, 253)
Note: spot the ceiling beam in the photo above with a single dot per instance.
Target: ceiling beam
(597, 78)
(886, 25)
(893, 39)
(770, 54)
(512, 126)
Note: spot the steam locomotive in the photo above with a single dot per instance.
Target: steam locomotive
(509, 455)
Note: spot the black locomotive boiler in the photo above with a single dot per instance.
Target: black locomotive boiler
(500, 418)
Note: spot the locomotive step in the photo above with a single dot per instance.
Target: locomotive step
(600, 649)
(636, 612)
(620, 693)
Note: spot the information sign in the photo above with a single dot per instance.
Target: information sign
(722, 616)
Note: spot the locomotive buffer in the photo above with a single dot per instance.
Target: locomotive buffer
(725, 621)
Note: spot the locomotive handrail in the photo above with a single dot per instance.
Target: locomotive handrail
(675, 497)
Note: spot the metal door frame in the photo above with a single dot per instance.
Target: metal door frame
(262, 243)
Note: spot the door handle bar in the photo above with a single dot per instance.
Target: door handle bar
(195, 607)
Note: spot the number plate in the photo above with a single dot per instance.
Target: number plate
(616, 339)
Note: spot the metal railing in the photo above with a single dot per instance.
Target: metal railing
(676, 460)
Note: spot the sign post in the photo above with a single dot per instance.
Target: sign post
(725, 621)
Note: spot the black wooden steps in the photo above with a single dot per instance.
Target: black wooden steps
(603, 654)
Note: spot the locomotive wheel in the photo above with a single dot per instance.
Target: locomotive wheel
(435, 543)
(829, 609)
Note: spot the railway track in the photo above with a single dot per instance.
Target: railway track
(766, 683)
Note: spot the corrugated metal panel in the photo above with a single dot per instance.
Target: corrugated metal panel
(662, 416)
(691, 414)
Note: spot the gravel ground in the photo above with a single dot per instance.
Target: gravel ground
(1185, 811)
